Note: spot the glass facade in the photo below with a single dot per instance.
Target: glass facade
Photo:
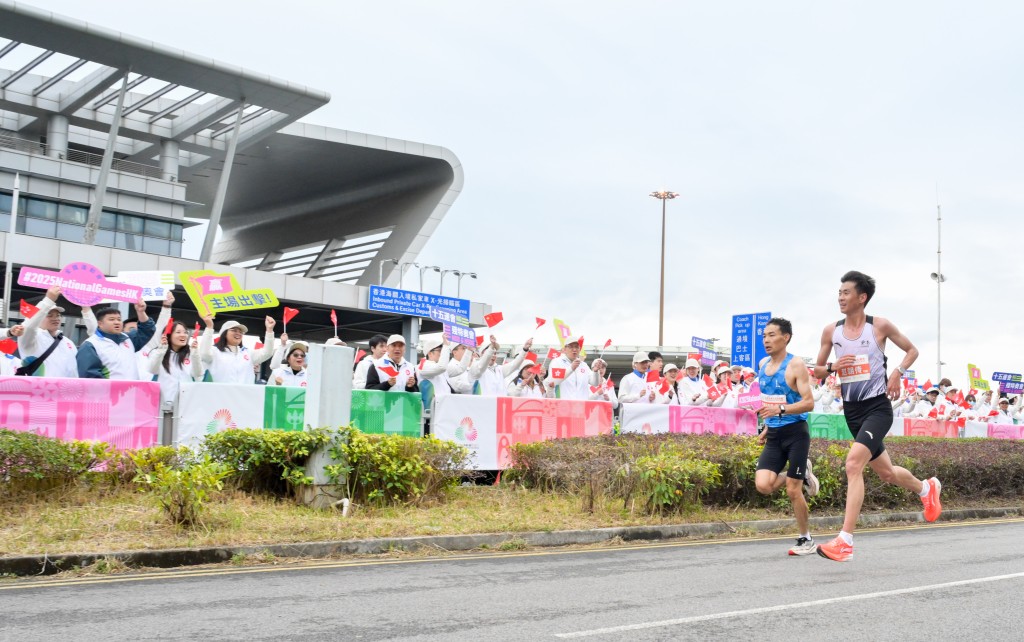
(66, 221)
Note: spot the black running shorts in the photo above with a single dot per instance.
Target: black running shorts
(869, 422)
(789, 443)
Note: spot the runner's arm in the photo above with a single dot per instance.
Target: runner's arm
(796, 373)
(820, 371)
(889, 331)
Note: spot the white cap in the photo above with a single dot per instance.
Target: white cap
(301, 345)
(232, 324)
(670, 366)
(723, 368)
(640, 357)
(396, 338)
(334, 341)
(692, 363)
(432, 344)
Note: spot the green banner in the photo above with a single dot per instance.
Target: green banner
(390, 413)
(284, 407)
(827, 426)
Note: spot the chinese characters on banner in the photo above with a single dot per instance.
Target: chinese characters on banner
(975, 375)
(212, 292)
(415, 304)
(456, 327)
(1009, 382)
(747, 345)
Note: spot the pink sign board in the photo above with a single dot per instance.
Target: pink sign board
(80, 283)
(750, 399)
(125, 414)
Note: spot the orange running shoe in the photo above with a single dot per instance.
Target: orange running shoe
(932, 505)
(837, 550)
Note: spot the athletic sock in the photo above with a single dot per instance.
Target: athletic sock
(805, 535)
(925, 487)
(847, 537)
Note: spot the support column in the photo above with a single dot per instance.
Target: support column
(170, 156)
(92, 225)
(57, 136)
(222, 188)
(411, 332)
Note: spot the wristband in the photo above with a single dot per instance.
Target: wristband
(828, 367)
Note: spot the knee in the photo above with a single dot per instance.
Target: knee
(795, 491)
(763, 486)
(854, 469)
(887, 475)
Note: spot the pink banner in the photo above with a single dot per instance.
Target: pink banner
(529, 420)
(80, 283)
(930, 428)
(719, 421)
(1005, 431)
(125, 414)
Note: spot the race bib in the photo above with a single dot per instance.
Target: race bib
(777, 400)
(859, 371)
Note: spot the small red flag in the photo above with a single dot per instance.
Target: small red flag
(959, 398)
(258, 345)
(558, 373)
(536, 369)
(665, 385)
(334, 320)
(714, 392)
(609, 383)
(553, 354)
(707, 381)
(27, 309)
(360, 355)
(289, 314)
(580, 341)
(195, 334)
(540, 322)
(993, 413)
(594, 389)
(653, 375)
(389, 371)
(531, 356)
(606, 344)
(8, 346)
(927, 385)
(493, 319)
(170, 326)
(479, 341)
(973, 392)
(422, 361)
(934, 413)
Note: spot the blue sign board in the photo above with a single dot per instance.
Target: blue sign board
(708, 357)
(747, 344)
(702, 344)
(415, 304)
(1009, 382)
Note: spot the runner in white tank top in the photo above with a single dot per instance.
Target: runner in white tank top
(859, 344)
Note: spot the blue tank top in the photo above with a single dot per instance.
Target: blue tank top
(776, 386)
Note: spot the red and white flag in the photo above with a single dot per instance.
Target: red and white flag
(493, 319)
(27, 309)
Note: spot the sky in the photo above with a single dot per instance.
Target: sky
(804, 139)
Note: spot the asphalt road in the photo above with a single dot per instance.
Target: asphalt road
(940, 582)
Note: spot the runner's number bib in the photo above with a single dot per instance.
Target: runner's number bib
(777, 400)
(859, 371)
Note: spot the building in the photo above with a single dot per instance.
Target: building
(160, 136)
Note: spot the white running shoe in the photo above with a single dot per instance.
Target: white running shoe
(811, 485)
(804, 546)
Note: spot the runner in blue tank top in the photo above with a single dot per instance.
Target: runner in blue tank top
(785, 400)
(859, 343)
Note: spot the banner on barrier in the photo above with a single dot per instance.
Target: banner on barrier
(490, 426)
(697, 420)
(125, 414)
(388, 413)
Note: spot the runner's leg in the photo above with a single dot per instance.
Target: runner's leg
(856, 460)
(897, 475)
(768, 481)
(795, 490)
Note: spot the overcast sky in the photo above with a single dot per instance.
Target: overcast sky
(804, 139)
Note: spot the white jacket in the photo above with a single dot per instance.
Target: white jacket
(234, 365)
(9, 364)
(289, 377)
(170, 382)
(576, 384)
(359, 376)
(690, 388)
(62, 362)
(494, 379)
(634, 388)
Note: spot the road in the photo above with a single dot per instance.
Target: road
(937, 582)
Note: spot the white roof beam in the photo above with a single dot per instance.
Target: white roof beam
(139, 104)
(35, 62)
(88, 88)
(59, 77)
(163, 113)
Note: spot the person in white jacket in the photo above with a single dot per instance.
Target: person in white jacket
(1003, 413)
(40, 332)
(494, 379)
(171, 363)
(603, 391)
(670, 396)
(13, 332)
(570, 376)
(633, 386)
(433, 372)
(378, 346)
(923, 405)
(229, 361)
(692, 391)
(293, 372)
(731, 397)
(464, 370)
(529, 382)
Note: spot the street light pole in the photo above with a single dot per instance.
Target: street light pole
(458, 291)
(938, 277)
(663, 196)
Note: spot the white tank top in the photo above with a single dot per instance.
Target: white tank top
(867, 378)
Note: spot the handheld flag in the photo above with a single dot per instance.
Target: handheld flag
(27, 309)
(606, 344)
(8, 346)
(334, 320)
(259, 345)
(714, 392)
(558, 373)
(195, 333)
(360, 355)
(609, 383)
(531, 356)
(289, 314)
(562, 330)
(580, 341)
(934, 413)
(422, 361)
(170, 326)
(959, 398)
(652, 376)
(389, 371)
(553, 354)
(537, 369)
(927, 385)
(493, 319)
(540, 322)
(708, 382)
(665, 385)
(479, 341)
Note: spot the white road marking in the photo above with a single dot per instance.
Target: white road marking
(785, 607)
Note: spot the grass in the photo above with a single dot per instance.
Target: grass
(83, 521)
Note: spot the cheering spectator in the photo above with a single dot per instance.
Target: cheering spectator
(692, 391)
(1003, 414)
(670, 396)
(984, 405)
(730, 399)
(604, 391)
(9, 364)
(569, 375)
(14, 332)
(378, 346)
(392, 372)
(231, 361)
(171, 363)
(434, 370)
(110, 353)
(494, 379)
(293, 372)
(528, 383)
(45, 351)
(464, 370)
(657, 361)
(633, 387)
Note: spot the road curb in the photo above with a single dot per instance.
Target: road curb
(171, 558)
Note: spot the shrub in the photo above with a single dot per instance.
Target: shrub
(268, 461)
(33, 463)
(391, 469)
(182, 489)
(670, 480)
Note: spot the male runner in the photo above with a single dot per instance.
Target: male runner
(786, 398)
(859, 343)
